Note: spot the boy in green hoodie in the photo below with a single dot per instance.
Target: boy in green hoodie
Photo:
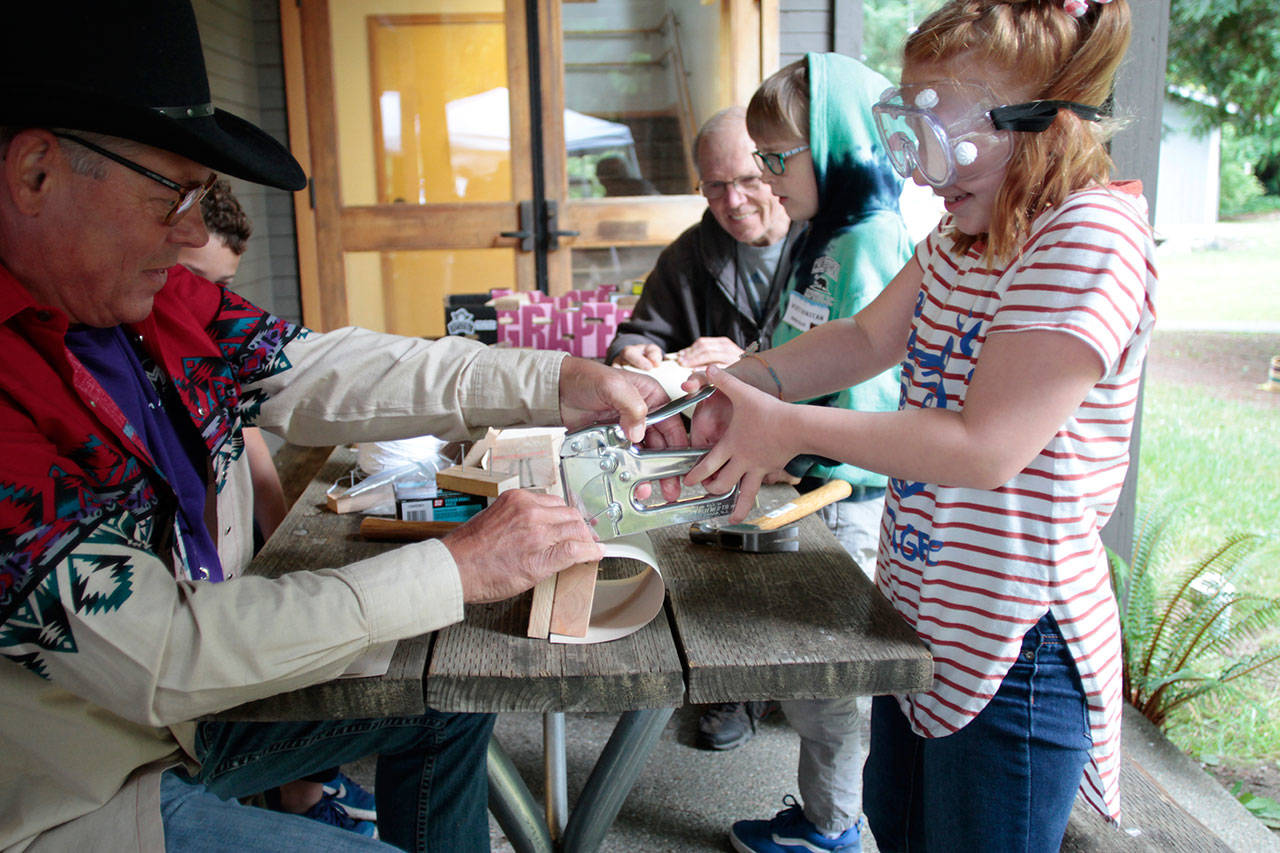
(819, 151)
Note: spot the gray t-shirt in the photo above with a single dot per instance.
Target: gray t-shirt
(757, 266)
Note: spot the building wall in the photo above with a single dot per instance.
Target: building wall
(803, 26)
(1188, 173)
(241, 41)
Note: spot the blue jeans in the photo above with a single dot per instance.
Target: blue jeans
(431, 784)
(1005, 782)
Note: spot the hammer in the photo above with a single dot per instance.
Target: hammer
(766, 533)
(375, 527)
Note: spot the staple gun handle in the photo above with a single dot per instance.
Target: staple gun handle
(679, 405)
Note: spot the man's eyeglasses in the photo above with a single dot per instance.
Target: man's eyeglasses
(188, 196)
(776, 161)
(712, 190)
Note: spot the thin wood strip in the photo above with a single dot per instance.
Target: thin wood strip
(544, 596)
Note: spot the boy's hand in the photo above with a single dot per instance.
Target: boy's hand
(643, 356)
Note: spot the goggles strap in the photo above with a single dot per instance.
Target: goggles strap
(1036, 116)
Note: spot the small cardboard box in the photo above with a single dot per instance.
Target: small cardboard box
(445, 505)
(466, 314)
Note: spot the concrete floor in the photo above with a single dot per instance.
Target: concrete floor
(686, 799)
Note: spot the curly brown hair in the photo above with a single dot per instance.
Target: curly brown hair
(224, 217)
(1063, 57)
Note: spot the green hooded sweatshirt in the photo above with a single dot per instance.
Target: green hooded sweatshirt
(857, 241)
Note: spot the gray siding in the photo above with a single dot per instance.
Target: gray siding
(241, 41)
(803, 26)
(819, 25)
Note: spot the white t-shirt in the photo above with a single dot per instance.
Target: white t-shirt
(971, 569)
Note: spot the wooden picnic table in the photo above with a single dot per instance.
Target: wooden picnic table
(737, 627)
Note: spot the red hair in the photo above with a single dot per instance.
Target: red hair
(1062, 57)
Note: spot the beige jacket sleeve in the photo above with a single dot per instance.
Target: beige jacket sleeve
(356, 385)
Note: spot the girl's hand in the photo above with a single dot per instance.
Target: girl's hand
(754, 436)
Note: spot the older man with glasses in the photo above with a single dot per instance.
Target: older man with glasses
(125, 495)
(715, 290)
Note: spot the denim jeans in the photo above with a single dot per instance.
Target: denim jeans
(1005, 782)
(430, 784)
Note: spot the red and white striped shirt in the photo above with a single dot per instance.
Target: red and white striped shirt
(971, 569)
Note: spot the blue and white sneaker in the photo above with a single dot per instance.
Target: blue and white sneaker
(326, 810)
(791, 832)
(355, 801)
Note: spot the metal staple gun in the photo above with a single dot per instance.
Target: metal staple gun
(601, 468)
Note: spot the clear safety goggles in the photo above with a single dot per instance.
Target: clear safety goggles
(954, 131)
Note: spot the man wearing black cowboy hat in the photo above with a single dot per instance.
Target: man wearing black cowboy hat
(124, 493)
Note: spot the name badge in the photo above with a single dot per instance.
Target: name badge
(804, 314)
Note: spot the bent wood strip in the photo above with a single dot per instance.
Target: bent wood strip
(488, 664)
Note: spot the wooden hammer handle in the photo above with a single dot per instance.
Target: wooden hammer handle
(374, 527)
(828, 493)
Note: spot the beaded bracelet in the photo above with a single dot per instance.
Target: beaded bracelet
(772, 373)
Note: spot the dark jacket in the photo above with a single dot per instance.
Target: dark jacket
(692, 293)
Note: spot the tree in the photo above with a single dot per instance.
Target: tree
(1229, 50)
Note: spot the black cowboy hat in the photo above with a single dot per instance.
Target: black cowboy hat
(132, 69)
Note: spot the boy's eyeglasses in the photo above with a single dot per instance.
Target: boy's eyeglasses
(952, 131)
(775, 161)
(188, 196)
(712, 190)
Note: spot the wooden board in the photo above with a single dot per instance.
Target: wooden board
(1159, 824)
(296, 466)
(476, 481)
(835, 636)
(575, 591)
(543, 599)
(341, 502)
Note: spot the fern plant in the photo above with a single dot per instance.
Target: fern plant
(1185, 631)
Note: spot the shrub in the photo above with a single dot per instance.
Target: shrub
(1185, 631)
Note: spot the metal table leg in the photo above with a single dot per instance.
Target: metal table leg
(556, 772)
(612, 778)
(513, 806)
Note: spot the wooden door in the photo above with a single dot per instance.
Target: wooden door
(456, 146)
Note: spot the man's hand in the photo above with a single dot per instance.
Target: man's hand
(707, 352)
(520, 539)
(643, 356)
(592, 393)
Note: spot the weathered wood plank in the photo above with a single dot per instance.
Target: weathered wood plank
(296, 466)
(789, 625)
(1152, 822)
(519, 673)
(398, 693)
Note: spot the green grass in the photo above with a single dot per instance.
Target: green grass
(1220, 456)
(1226, 273)
(1239, 723)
